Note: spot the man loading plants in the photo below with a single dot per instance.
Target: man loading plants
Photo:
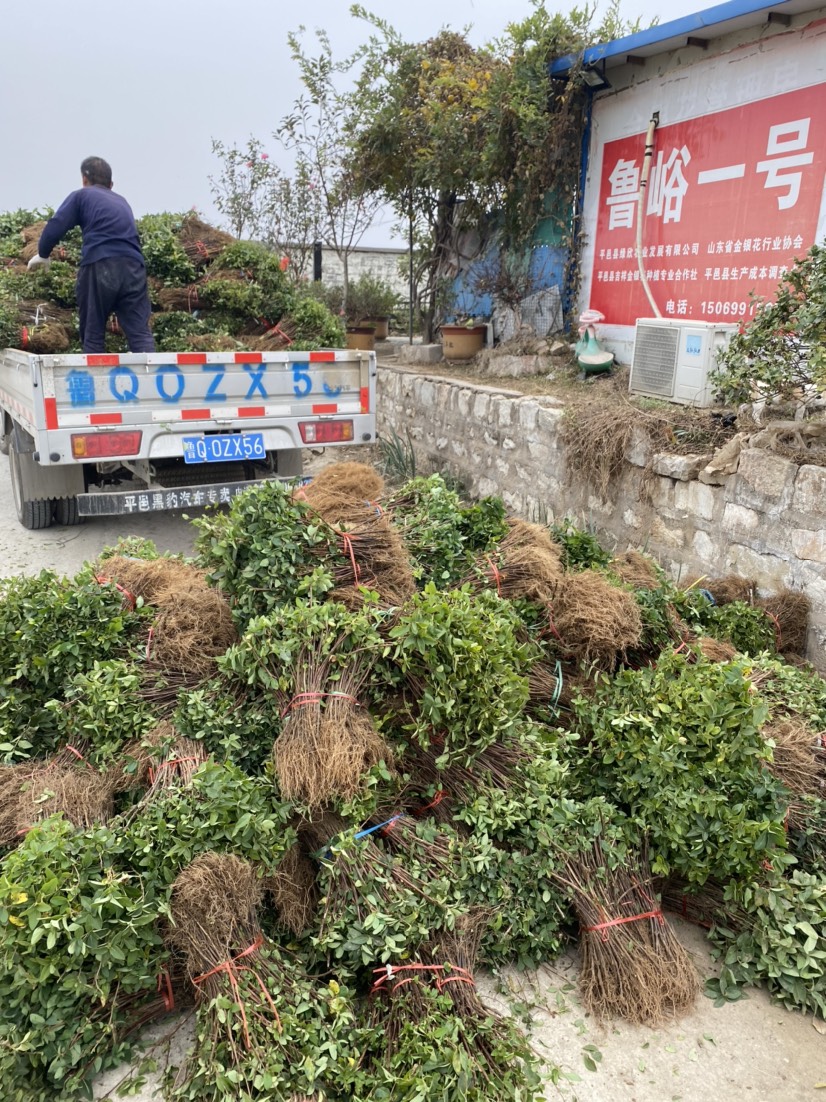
(112, 273)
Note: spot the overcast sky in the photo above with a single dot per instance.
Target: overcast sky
(147, 84)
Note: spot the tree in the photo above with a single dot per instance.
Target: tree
(449, 134)
(260, 201)
(316, 132)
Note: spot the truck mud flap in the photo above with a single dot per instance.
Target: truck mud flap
(161, 499)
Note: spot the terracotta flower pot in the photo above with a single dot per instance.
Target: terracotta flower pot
(361, 337)
(462, 343)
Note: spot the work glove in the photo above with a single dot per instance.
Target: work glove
(38, 261)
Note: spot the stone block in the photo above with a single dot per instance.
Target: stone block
(668, 535)
(419, 353)
(809, 545)
(762, 475)
(639, 449)
(527, 412)
(548, 420)
(481, 405)
(463, 402)
(510, 367)
(682, 467)
(702, 500)
(426, 396)
(508, 445)
(740, 522)
(487, 487)
(703, 547)
(810, 491)
(503, 408)
(769, 571)
(631, 520)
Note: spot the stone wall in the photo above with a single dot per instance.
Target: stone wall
(384, 264)
(767, 521)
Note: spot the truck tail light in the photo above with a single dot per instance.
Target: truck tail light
(325, 432)
(103, 445)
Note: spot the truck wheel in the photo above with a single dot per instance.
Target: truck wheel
(31, 514)
(65, 512)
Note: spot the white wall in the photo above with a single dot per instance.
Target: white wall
(691, 84)
(382, 263)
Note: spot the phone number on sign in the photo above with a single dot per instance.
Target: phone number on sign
(727, 309)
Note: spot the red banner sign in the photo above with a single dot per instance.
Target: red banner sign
(732, 198)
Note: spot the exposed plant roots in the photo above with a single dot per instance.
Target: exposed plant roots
(595, 622)
(294, 890)
(636, 969)
(526, 564)
(714, 649)
(68, 785)
(340, 481)
(636, 570)
(799, 760)
(730, 588)
(790, 612)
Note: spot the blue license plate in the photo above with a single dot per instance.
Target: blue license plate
(224, 447)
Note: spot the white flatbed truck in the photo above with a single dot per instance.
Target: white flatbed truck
(101, 435)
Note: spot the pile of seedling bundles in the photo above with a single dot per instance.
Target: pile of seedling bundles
(366, 743)
(209, 292)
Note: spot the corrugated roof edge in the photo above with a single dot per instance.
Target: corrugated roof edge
(677, 28)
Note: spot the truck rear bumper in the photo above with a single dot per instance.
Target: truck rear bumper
(162, 499)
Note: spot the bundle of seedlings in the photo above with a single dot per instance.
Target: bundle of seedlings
(155, 580)
(636, 570)
(294, 890)
(428, 1013)
(679, 748)
(633, 966)
(776, 940)
(162, 760)
(789, 612)
(434, 792)
(595, 622)
(328, 738)
(372, 909)
(343, 487)
(265, 551)
(443, 535)
(371, 555)
(259, 1014)
(191, 629)
(729, 588)
(85, 926)
(69, 785)
(713, 650)
(798, 758)
(526, 565)
(465, 662)
(704, 906)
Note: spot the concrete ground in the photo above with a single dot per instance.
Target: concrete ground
(749, 1050)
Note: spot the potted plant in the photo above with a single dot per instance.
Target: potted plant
(371, 301)
(463, 338)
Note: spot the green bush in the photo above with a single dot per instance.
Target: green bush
(783, 348)
(679, 747)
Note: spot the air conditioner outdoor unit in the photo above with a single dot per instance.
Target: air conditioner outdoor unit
(673, 359)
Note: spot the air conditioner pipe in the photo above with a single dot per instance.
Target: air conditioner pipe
(646, 169)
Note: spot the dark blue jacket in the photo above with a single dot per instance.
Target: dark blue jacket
(106, 220)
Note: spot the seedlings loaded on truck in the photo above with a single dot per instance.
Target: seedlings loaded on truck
(95, 435)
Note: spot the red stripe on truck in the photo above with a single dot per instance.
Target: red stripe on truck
(252, 411)
(51, 412)
(322, 357)
(102, 361)
(248, 357)
(185, 358)
(364, 394)
(105, 418)
(332, 408)
(195, 415)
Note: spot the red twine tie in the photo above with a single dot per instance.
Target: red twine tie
(130, 598)
(442, 794)
(604, 926)
(229, 967)
(301, 700)
(495, 574)
(455, 974)
(165, 990)
(347, 546)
